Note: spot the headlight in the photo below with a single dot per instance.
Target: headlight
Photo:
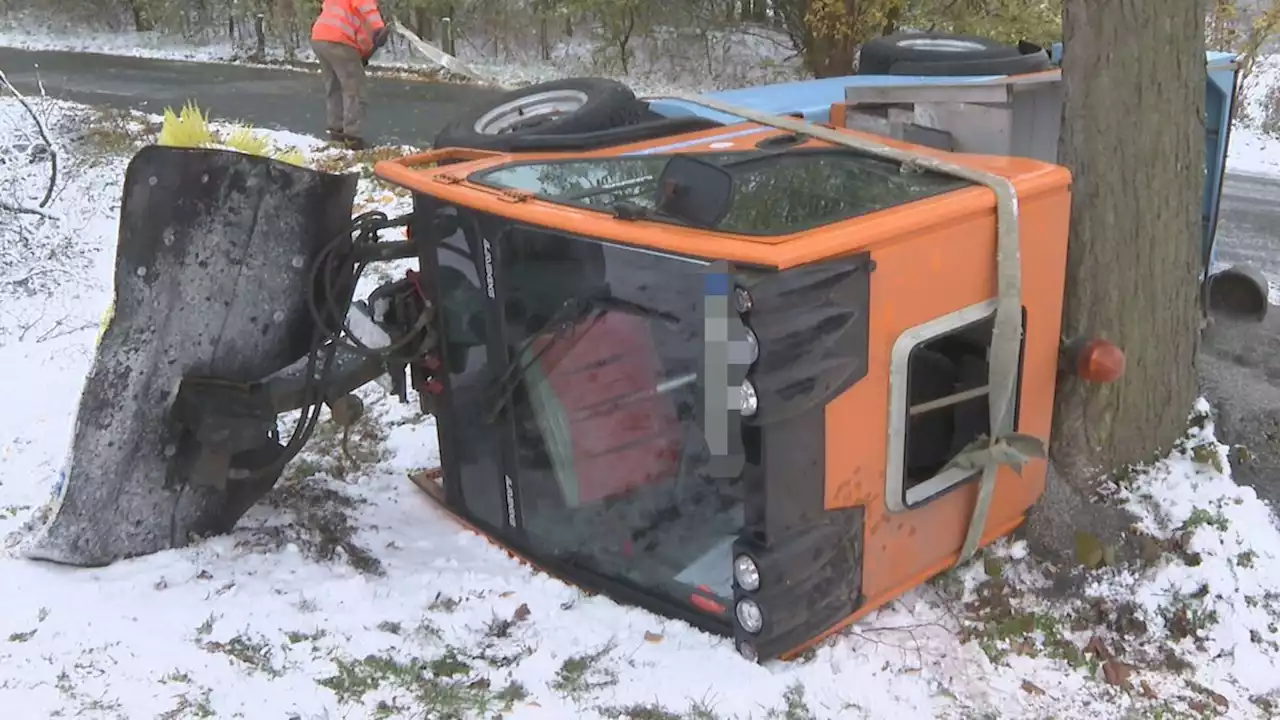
(746, 573)
(748, 652)
(749, 399)
(749, 615)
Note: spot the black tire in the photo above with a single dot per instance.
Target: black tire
(607, 104)
(941, 54)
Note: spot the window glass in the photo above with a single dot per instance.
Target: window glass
(606, 411)
(774, 193)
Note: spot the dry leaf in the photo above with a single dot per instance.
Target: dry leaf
(507, 594)
(1116, 672)
(1147, 692)
(652, 637)
(1089, 550)
(521, 612)
(1031, 688)
(1218, 698)
(1098, 648)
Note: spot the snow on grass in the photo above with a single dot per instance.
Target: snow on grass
(346, 593)
(37, 31)
(665, 60)
(1253, 151)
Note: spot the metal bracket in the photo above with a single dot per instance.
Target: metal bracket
(212, 420)
(515, 196)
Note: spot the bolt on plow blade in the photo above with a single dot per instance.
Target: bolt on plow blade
(211, 280)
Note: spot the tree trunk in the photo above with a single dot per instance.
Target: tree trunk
(1134, 74)
(422, 19)
(830, 56)
(142, 21)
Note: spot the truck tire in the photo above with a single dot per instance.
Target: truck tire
(940, 54)
(560, 107)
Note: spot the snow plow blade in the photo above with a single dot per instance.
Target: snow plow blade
(211, 281)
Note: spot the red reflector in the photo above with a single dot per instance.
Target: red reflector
(1100, 362)
(702, 602)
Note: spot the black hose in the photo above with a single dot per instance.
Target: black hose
(328, 260)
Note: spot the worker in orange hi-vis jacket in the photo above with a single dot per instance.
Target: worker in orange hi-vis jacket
(344, 37)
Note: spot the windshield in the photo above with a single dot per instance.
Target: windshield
(775, 193)
(594, 413)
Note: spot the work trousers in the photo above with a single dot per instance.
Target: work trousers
(343, 72)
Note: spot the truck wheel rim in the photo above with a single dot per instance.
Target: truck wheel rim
(530, 110)
(941, 44)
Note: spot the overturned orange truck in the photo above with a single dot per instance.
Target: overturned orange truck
(759, 372)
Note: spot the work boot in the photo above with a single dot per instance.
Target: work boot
(335, 135)
(354, 142)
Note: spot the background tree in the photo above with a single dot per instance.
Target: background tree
(1246, 30)
(828, 32)
(1133, 137)
(1008, 21)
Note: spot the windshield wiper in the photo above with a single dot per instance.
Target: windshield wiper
(567, 317)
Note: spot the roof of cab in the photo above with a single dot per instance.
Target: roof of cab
(420, 174)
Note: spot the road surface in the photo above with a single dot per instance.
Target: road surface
(1249, 223)
(408, 112)
(400, 111)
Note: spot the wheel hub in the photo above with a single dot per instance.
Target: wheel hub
(530, 110)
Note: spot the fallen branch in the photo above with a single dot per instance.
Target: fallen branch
(436, 55)
(44, 135)
(24, 210)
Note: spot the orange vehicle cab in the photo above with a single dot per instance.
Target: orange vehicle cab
(855, 301)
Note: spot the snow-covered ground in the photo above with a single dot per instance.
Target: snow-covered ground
(348, 594)
(1252, 151)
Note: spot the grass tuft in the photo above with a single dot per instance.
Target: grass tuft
(188, 128)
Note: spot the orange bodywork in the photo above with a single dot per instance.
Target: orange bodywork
(932, 257)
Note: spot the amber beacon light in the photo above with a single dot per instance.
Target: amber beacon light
(1093, 360)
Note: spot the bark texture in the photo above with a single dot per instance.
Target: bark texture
(1133, 137)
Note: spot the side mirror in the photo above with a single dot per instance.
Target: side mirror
(695, 191)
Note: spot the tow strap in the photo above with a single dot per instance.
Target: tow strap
(1004, 446)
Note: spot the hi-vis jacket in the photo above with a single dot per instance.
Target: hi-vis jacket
(350, 22)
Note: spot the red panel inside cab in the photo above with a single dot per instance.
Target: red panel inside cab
(595, 394)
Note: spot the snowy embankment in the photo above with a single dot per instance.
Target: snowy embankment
(1253, 151)
(663, 61)
(348, 594)
(741, 60)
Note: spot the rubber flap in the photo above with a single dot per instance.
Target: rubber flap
(212, 262)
